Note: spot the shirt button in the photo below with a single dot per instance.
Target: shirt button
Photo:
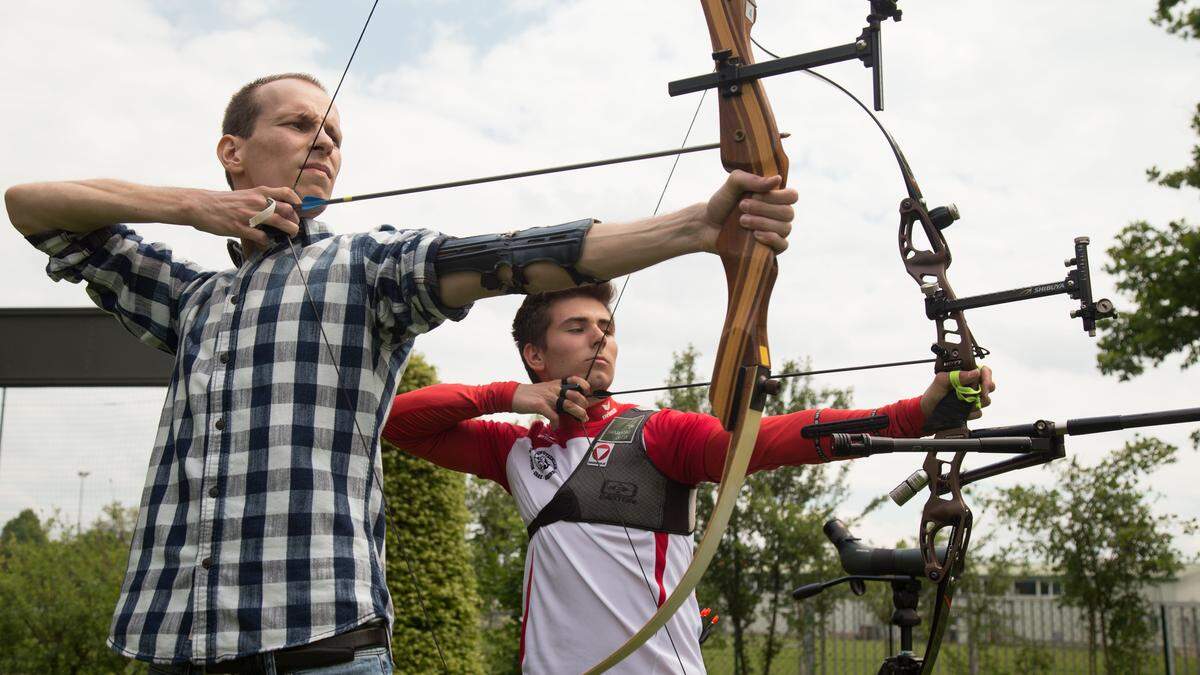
(233, 299)
(213, 491)
(220, 425)
(206, 563)
(224, 358)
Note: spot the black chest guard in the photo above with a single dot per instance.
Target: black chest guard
(617, 484)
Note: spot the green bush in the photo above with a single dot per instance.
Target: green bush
(58, 588)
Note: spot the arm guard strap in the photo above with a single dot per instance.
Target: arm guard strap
(487, 253)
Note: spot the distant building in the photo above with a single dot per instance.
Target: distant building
(1031, 610)
(1185, 588)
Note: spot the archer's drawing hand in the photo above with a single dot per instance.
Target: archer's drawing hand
(228, 214)
(767, 211)
(980, 378)
(542, 399)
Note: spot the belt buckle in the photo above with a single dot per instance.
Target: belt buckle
(246, 665)
(312, 657)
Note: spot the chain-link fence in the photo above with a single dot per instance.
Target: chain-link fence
(1020, 635)
(69, 452)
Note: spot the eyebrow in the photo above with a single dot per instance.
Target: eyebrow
(608, 322)
(312, 118)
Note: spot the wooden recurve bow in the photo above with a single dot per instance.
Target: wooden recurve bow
(749, 142)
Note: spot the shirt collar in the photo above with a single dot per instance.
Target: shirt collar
(603, 410)
(311, 231)
(599, 414)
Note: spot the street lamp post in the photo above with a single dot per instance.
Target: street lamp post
(79, 512)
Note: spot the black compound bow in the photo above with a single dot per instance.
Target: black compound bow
(927, 258)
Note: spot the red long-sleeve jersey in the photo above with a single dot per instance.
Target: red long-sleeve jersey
(590, 571)
(437, 423)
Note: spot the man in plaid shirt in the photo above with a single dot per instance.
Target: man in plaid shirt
(260, 539)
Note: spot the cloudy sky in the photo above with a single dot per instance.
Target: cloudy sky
(1037, 120)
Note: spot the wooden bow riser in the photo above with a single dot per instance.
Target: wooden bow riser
(743, 348)
(749, 142)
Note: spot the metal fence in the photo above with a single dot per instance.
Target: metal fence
(1015, 634)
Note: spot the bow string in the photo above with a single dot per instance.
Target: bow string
(367, 447)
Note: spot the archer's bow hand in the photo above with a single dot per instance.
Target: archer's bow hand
(765, 210)
(228, 213)
(978, 380)
(551, 399)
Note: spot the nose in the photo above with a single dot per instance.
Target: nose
(324, 142)
(597, 334)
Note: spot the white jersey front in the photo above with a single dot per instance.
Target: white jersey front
(586, 589)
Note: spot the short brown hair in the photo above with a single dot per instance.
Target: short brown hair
(243, 110)
(533, 317)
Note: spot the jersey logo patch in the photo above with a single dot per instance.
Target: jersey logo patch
(542, 464)
(619, 491)
(600, 454)
(622, 430)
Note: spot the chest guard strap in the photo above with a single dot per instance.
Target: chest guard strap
(617, 484)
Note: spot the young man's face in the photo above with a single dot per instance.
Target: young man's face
(577, 327)
(289, 112)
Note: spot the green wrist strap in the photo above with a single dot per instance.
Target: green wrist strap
(965, 393)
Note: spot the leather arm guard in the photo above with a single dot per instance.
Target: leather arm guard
(487, 253)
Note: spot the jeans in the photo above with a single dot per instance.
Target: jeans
(369, 661)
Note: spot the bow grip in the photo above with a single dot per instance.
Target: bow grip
(744, 356)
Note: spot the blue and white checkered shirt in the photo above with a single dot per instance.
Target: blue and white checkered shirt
(261, 523)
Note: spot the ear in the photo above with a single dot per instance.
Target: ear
(229, 153)
(534, 358)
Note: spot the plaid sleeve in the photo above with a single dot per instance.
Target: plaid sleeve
(140, 284)
(399, 267)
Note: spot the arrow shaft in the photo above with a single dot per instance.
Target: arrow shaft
(311, 204)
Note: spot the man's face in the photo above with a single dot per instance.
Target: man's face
(289, 112)
(577, 327)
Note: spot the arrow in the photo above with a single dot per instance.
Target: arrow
(309, 203)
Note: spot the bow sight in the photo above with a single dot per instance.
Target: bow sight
(955, 349)
(1077, 285)
(732, 71)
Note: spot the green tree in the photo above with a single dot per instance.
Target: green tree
(25, 528)
(426, 522)
(1096, 525)
(498, 544)
(58, 588)
(787, 508)
(1180, 17)
(1158, 268)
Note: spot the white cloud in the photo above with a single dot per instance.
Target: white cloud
(249, 10)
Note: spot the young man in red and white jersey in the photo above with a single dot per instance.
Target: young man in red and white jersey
(586, 588)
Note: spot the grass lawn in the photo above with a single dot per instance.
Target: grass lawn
(865, 656)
